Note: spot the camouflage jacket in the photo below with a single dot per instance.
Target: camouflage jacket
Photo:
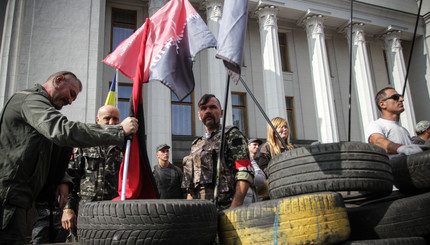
(94, 172)
(200, 167)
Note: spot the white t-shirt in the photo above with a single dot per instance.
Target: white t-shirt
(391, 130)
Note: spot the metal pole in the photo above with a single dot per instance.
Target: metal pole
(412, 48)
(263, 113)
(350, 72)
(125, 172)
(221, 150)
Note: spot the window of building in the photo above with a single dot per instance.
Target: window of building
(283, 48)
(182, 115)
(238, 102)
(123, 25)
(290, 114)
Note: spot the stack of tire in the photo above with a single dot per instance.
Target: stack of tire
(309, 187)
(406, 212)
(148, 222)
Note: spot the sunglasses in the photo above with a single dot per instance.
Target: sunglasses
(394, 97)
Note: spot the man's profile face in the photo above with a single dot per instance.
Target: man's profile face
(390, 104)
(65, 92)
(108, 116)
(210, 113)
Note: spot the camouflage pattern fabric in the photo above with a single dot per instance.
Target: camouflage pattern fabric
(94, 171)
(200, 166)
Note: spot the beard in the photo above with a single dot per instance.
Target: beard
(211, 124)
(57, 105)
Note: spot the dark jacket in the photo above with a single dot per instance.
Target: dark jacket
(29, 125)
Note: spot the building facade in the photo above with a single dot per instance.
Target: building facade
(296, 63)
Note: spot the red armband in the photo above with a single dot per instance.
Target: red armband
(243, 165)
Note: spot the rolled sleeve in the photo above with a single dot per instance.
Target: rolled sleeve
(244, 176)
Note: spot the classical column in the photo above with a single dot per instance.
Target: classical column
(397, 74)
(274, 93)
(158, 114)
(217, 76)
(10, 49)
(363, 81)
(323, 93)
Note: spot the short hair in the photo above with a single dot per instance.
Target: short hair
(205, 99)
(68, 77)
(421, 127)
(380, 96)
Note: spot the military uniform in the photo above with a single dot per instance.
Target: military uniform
(200, 167)
(94, 172)
(29, 125)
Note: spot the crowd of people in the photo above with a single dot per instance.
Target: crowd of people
(57, 165)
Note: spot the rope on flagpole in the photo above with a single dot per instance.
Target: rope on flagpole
(412, 48)
(263, 113)
(221, 150)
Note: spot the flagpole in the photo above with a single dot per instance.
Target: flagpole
(264, 114)
(221, 150)
(125, 171)
(412, 48)
(350, 71)
(116, 88)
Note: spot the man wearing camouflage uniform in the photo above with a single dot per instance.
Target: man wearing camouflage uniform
(94, 172)
(200, 167)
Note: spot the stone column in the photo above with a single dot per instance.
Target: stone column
(158, 114)
(361, 72)
(397, 74)
(323, 91)
(274, 93)
(217, 76)
(10, 50)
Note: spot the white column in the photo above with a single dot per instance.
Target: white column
(217, 76)
(274, 93)
(363, 81)
(397, 74)
(323, 91)
(158, 114)
(10, 50)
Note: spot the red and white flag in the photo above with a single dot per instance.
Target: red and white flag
(162, 49)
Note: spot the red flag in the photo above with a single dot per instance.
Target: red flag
(140, 181)
(176, 34)
(166, 44)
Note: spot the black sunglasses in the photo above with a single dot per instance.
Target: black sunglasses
(394, 97)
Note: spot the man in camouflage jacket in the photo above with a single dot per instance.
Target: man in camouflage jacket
(200, 167)
(94, 172)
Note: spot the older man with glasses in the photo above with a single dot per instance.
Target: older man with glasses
(386, 132)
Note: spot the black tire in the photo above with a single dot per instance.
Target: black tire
(346, 167)
(390, 241)
(412, 173)
(318, 218)
(405, 217)
(148, 222)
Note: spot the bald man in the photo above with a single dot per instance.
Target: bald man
(94, 172)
